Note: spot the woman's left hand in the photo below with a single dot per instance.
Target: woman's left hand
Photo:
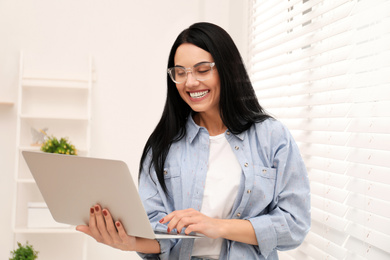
(193, 221)
(102, 228)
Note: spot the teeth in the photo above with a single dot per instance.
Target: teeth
(198, 94)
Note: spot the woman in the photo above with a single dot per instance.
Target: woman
(216, 164)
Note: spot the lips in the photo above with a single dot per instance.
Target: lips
(198, 94)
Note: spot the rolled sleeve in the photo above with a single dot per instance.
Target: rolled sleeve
(165, 247)
(265, 234)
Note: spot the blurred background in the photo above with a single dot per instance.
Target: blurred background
(95, 71)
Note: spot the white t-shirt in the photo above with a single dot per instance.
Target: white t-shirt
(222, 182)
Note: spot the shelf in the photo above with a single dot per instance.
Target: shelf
(26, 230)
(60, 103)
(29, 148)
(38, 148)
(55, 85)
(6, 103)
(25, 180)
(49, 117)
(56, 76)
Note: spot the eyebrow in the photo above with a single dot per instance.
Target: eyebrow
(177, 65)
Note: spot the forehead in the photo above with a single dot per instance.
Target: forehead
(188, 55)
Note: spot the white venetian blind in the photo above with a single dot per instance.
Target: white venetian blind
(323, 69)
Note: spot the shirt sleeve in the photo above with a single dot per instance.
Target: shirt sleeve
(156, 208)
(288, 219)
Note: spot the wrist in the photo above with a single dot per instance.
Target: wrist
(148, 246)
(224, 228)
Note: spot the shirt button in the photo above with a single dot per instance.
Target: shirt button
(228, 133)
(248, 191)
(238, 215)
(236, 147)
(264, 170)
(165, 172)
(246, 164)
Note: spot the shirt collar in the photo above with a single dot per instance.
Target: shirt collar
(193, 130)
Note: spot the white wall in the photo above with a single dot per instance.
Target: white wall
(129, 41)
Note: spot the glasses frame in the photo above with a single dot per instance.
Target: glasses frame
(187, 70)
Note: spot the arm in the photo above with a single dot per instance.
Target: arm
(287, 221)
(232, 229)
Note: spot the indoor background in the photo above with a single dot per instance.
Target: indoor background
(321, 67)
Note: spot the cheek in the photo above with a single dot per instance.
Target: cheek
(181, 91)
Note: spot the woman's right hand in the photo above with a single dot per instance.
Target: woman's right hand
(104, 230)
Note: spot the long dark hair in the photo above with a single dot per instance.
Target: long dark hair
(239, 107)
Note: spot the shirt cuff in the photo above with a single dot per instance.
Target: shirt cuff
(165, 248)
(265, 234)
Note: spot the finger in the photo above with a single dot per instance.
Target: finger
(173, 222)
(185, 222)
(128, 241)
(95, 233)
(121, 231)
(101, 225)
(85, 229)
(171, 215)
(167, 218)
(193, 228)
(112, 231)
(178, 216)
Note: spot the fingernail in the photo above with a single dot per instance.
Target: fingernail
(161, 220)
(105, 212)
(96, 208)
(168, 230)
(92, 211)
(118, 224)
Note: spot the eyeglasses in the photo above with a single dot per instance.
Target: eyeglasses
(201, 71)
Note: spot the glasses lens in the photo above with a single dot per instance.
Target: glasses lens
(202, 71)
(178, 74)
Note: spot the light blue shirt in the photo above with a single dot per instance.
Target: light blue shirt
(274, 192)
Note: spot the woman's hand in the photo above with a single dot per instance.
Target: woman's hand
(102, 228)
(194, 221)
(240, 230)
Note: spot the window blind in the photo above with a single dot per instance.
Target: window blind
(323, 69)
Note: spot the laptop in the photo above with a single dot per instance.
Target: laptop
(71, 185)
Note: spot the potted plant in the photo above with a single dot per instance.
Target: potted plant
(62, 146)
(25, 252)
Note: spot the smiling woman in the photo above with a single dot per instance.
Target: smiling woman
(216, 164)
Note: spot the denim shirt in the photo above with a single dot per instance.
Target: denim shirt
(274, 192)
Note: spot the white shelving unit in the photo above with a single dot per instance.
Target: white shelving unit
(60, 102)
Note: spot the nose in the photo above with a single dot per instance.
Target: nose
(191, 80)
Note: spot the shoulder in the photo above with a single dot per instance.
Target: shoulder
(270, 134)
(271, 127)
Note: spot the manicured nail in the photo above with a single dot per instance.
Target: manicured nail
(105, 212)
(92, 211)
(168, 230)
(96, 208)
(161, 220)
(118, 224)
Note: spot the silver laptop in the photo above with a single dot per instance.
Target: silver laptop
(71, 185)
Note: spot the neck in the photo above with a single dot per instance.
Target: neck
(212, 122)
